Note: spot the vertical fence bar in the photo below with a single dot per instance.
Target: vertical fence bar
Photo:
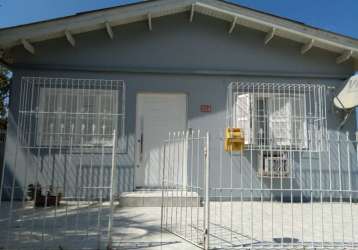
(193, 199)
(181, 181)
(356, 191)
(231, 194)
(111, 192)
(197, 183)
(330, 188)
(207, 193)
(221, 184)
(177, 186)
(350, 187)
(186, 154)
(162, 212)
(169, 187)
(9, 224)
(321, 191)
(172, 161)
(101, 183)
(340, 182)
(311, 196)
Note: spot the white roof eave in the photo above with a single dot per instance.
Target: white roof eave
(100, 19)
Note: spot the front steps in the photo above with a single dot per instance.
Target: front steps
(153, 198)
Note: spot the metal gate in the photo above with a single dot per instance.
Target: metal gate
(304, 200)
(60, 174)
(185, 207)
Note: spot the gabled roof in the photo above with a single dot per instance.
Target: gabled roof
(234, 14)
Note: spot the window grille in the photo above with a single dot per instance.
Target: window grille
(60, 112)
(278, 116)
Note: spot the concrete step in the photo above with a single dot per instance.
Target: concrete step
(153, 198)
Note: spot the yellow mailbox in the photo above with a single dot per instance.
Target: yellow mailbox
(234, 140)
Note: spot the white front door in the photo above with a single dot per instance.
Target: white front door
(157, 115)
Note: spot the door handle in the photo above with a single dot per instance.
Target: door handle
(140, 140)
(141, 143)
(140, 158)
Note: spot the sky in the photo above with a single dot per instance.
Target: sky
(338, 16)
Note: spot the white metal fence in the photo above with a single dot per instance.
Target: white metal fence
(41, 216)
(309, 200)
(2, 148)
(59, 178)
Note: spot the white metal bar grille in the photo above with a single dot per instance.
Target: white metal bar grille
(278, 115)
(57, 186)
(56, 106)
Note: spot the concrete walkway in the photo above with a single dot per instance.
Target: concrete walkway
(84, 225)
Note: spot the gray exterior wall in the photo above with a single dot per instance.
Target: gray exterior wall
(197, 58)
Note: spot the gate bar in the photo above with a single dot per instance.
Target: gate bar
(110, 221)
(207, 201)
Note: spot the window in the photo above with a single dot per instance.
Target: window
(272, 119)
(76, 116)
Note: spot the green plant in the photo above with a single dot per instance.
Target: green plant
(5, 79)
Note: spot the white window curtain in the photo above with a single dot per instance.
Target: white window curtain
(76, 116)
(280, 117)
(243, 116)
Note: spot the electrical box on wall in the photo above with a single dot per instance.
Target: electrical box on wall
(234, 140)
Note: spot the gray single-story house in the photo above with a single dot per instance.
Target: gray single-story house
(159, 66)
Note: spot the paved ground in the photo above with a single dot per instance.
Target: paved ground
(270, 225)
(84, 226)
(238, 225)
